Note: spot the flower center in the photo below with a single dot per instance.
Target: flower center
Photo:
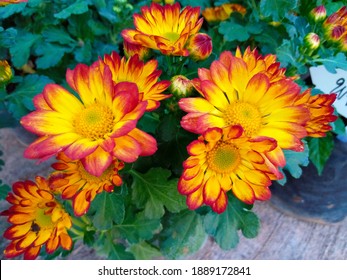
(91, 179)
(94, 122)
(223, 158)
(244, 114)
(43, 220)
(171, 36)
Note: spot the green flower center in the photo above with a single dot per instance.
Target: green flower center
(171, 36)
(244, 114)
(223, 158)
(95, 122)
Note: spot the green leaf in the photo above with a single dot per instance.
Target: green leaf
(50, 55)
(277, 9)
(233, 31)
(333, 62)
(6, 120)
(10, 10)
(168, 127)
(83, 54)
(196, 3)
(138, 228)
(57, 35)
(288, 54)
(144, 251)
(118, 252)
(4, 190)
(296, 159)
(224, 227)
(109, 209)
(338, 126)
(27, 89)
(153, 191)
(97, 27)
(20, 51)
(149, 122)
(77, 8)
(89, 237)
(8, 37)
(183, 234)
(320, 151)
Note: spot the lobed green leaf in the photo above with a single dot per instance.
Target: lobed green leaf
(154, 190)
(224, 227)
(184, 234)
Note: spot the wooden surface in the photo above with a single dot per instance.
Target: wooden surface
(282, 235)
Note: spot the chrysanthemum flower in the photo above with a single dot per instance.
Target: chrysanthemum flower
(94, 128)
(73, 181)
(321, 112)
(223, 160)
(223, 12)
(5, 72)
(7, 2)
(248, 91)
(132, 49)
(37, 219)
(335, 28)
(144, 75)
(164, 28)
(199, 46)
(256, 63)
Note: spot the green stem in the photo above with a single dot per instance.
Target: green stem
(78, 223)
(77, 232)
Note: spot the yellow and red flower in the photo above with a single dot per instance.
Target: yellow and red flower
(199, 46)
(37, 219)
(73, 181)
(223, 12)
(95, 127)
(335, 28)
(250, 91)
(133, 49)
(164, 28)
(8, 2)
(321, 112)
(222, 160)
(144, 75)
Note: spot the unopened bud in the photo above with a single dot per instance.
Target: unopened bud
(312, 41)
(181, 86)
(318, 14)
(199, 46)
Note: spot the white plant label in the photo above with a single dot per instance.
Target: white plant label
(332, 83)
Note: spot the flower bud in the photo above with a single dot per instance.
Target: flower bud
(312, 41)
(230, 8)
(215, 14)
(5, 72)
(318, 14)
(181, 86)
(132, 49)
(199, 46)
(343, 43)
(337, 32)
